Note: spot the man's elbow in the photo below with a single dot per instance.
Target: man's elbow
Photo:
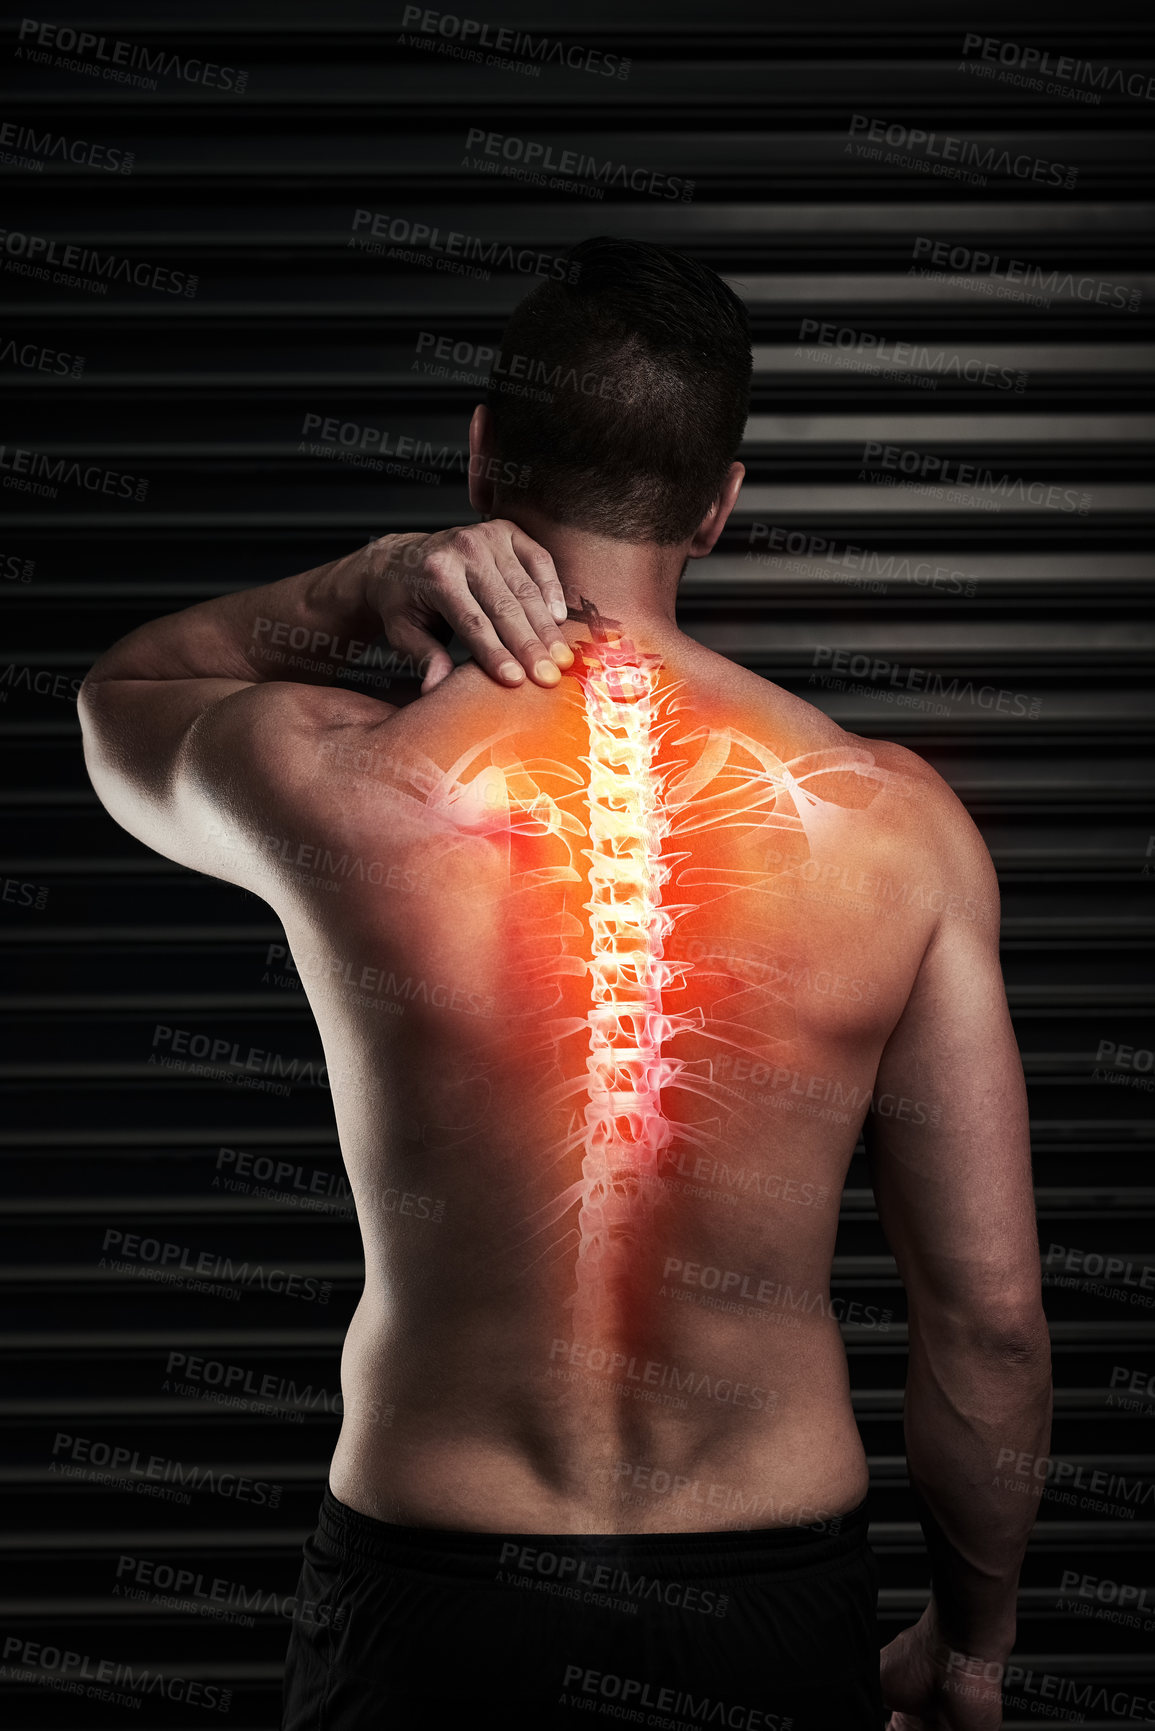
(92, 713)
(1023, 1344)
(119, 752)
(85, 701)
(1012, 1332)
(95, 711)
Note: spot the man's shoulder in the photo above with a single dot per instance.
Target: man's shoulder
(286, 759)
(323, 737)
(916, 812)
(798, 727)
(272, 736)
(931, 820)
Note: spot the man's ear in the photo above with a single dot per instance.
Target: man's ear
(714, 521)
(481, 466)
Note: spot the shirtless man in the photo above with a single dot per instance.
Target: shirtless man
(654, 941)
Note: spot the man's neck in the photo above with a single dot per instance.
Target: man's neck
(633, 581)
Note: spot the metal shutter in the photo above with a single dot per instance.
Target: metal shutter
(215, 297)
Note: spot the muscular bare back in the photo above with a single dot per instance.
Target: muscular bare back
(602, 1028)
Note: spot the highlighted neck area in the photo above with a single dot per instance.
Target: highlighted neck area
(626, 1130)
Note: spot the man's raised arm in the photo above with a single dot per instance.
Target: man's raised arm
(172, 711)
(956, 1201)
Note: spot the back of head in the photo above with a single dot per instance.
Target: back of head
(624, 392)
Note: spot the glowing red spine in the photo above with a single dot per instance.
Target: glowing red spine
(626, 1130)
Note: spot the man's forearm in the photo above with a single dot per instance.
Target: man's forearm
(972, 1406)
(304, 628)
(489, 582)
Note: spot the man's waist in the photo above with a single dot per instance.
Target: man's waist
(596, 1560)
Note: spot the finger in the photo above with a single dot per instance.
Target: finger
(547, 636)
(450, 592)
(470, 607)
(431, 659)
(539, 563)
(503, 608)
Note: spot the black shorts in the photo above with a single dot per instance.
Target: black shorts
(418, 1626)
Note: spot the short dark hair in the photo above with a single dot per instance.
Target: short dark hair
(624, 390)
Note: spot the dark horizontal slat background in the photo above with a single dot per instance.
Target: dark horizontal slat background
(205, 396)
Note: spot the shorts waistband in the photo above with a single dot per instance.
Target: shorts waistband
(729, 1552)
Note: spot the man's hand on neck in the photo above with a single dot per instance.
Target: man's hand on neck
(490, 582)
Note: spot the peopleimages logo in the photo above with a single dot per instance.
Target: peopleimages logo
(444, 247)
(536, 51)
(122, 62)
(26, 1661)
(30, 471)
(981, 486)
(873, 353)
(204, 1268)
(43, 146)
(80, 266)
(493, 366)
(1014, 62)
(990, 272)
(614, 1588)
(36, 357)
(182, 1588)
(581, 1687)
(80, 1456)
(531, 157)
(941, 148)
